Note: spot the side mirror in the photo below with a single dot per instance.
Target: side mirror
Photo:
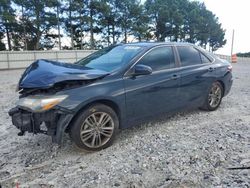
(141, 70)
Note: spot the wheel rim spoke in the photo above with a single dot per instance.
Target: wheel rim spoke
(105, 121)
(87, 123)
(107, 128)
(93, 140)
(86, 137)
(217, 90)
(106, 134)
(103, 116)
(94, 118)
(90, 121)
(99, 139)
(86, 131)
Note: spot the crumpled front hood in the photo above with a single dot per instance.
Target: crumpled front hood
(45, 73)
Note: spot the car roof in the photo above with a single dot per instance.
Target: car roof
(152, 44)
(149, 45)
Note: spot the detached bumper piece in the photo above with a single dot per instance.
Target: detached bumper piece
(53, 122)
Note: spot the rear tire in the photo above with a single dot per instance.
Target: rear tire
(95, 128)
(214, 97)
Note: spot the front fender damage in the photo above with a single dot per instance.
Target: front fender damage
(53, 122)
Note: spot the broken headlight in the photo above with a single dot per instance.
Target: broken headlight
(40, 103)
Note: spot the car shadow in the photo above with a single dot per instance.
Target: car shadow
(136, 129)
(151, 122)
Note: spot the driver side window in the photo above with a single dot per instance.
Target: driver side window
(159, 58)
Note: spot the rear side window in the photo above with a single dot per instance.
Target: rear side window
(204, 59)
(159, 58)
(189, 55)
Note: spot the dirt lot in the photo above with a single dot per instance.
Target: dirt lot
(192, 149)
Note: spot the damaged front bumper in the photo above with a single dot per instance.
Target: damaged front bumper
(53, 122)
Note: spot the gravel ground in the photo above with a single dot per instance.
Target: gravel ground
(191, 149)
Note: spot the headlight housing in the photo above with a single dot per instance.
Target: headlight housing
(40, 103)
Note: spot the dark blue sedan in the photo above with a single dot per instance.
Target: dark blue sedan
(117, 87)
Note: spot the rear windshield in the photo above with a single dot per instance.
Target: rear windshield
(110, 58)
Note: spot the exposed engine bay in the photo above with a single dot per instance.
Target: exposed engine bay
(64, 85)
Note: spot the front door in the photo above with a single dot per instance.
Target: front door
(149, 95)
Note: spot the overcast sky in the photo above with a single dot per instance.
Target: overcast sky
(233, 14)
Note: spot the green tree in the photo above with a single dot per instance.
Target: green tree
(90, 24)
(40, 19)
(183, 20)
(217, 37)
(247, 54)
(166, 17)
(126, 14)
(82, 17)
(2, 45)
(109, 22)
(140, 24)
(69, 9)
(94, 10)
(7, 20)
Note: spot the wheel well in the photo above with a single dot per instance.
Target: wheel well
(109, 103)
(223, 86)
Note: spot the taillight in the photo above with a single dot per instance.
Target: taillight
(230, 68)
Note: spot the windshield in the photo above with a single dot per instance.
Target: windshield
(110, 58)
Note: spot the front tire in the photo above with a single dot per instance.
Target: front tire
(95, 128)
(214, 97)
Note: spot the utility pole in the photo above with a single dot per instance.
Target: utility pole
(232, 46)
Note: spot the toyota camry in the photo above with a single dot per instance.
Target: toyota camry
(116, 88)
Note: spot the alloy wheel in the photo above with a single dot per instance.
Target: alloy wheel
(215, 95)
(97, 129)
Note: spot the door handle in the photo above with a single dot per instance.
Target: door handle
(211, 69)
(175, 76)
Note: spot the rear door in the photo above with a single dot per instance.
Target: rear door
(152, 94)
(197, 75)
